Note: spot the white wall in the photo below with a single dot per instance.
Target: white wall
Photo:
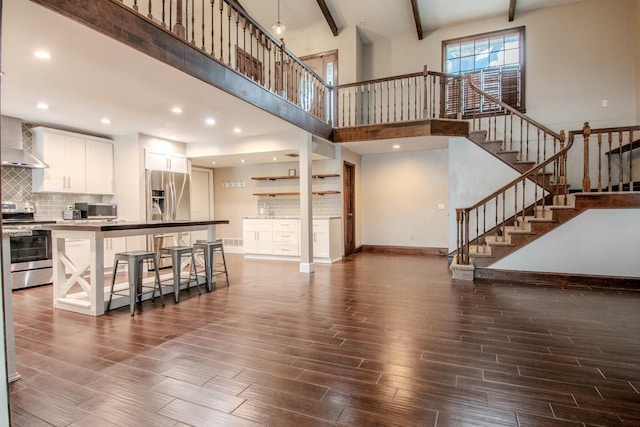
(318, 38)
(474, 174)
(576, 55)
(400, 196)
(596, 242)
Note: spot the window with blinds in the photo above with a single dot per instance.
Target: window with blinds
(495, 64)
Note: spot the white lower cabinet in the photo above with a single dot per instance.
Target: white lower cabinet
(280, 238)
(286, 237)
(257, 236)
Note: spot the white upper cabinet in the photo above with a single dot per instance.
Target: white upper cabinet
(99, 157)
(77, 163)
(165, 162)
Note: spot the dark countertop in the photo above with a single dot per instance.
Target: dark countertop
(99, 226)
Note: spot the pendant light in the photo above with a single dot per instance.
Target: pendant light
(278, 27)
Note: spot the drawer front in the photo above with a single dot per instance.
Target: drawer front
(285, 236)
(291, 225)
(290, 249)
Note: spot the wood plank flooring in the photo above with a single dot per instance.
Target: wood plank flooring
(374, 340)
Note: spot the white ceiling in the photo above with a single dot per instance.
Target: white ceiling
(90, 76)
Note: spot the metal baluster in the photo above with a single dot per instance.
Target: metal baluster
(599, 162)
(150, 15)
(620, 178)
(135, 5)
(213, 48)
(610, 139)
(630, 160)
(203, 48)
(193, 23)
(237, 44)
(395, 96)
(401, 99)
(375, 98)
(229, 34)
(388, 99)
(221, 8)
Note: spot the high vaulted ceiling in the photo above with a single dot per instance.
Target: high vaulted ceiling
(91, 76)
(378, 19)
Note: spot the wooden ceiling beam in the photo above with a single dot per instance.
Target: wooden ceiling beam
(328, 17)
(512, 10)
(416, 17)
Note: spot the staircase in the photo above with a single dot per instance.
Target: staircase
(550, 208)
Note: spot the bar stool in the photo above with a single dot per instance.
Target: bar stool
(177, 253)
(209, 250)
(134, 260)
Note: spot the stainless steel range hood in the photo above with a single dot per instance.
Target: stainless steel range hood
(12, 153)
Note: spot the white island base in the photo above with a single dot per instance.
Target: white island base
(72, 292)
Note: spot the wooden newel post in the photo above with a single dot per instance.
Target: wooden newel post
(586, 181)
(562, 179)
(459, 235)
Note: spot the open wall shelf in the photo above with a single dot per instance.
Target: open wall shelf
(318, 193)
(274, 178)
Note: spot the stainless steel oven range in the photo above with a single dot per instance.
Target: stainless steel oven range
(31, 256)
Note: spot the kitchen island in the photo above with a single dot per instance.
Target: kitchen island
(71, 290)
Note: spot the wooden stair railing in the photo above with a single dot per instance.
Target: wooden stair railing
(612, 147)
(543, 183)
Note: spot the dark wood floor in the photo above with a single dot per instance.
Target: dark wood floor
(375, 340)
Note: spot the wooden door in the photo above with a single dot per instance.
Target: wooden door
(349, 206)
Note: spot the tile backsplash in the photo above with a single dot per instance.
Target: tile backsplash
(16, 186)
(328, 205)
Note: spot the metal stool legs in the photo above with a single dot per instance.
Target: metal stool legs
(177, 253)
(134, 260)
(209, 250)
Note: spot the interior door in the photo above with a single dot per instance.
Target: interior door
(349, 206)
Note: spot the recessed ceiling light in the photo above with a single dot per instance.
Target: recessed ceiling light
(105, 121)
(210, 122)
(213, 163)
(275, 158)
(177, 110)
(174, 137)
(43, 106)
(237, 130)
(242, 160)
(41, 54)
(396, 146)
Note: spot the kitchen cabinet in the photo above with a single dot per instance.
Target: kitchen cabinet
(78, 163)
(279, 238)
(257, 236)
(165, 162)
(286, 237)
(99, 158)
(65, 155)
(327, 239)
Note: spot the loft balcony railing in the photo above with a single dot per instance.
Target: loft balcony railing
(226, 33)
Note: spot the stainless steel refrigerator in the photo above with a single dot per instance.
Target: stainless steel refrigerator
(168, 199)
